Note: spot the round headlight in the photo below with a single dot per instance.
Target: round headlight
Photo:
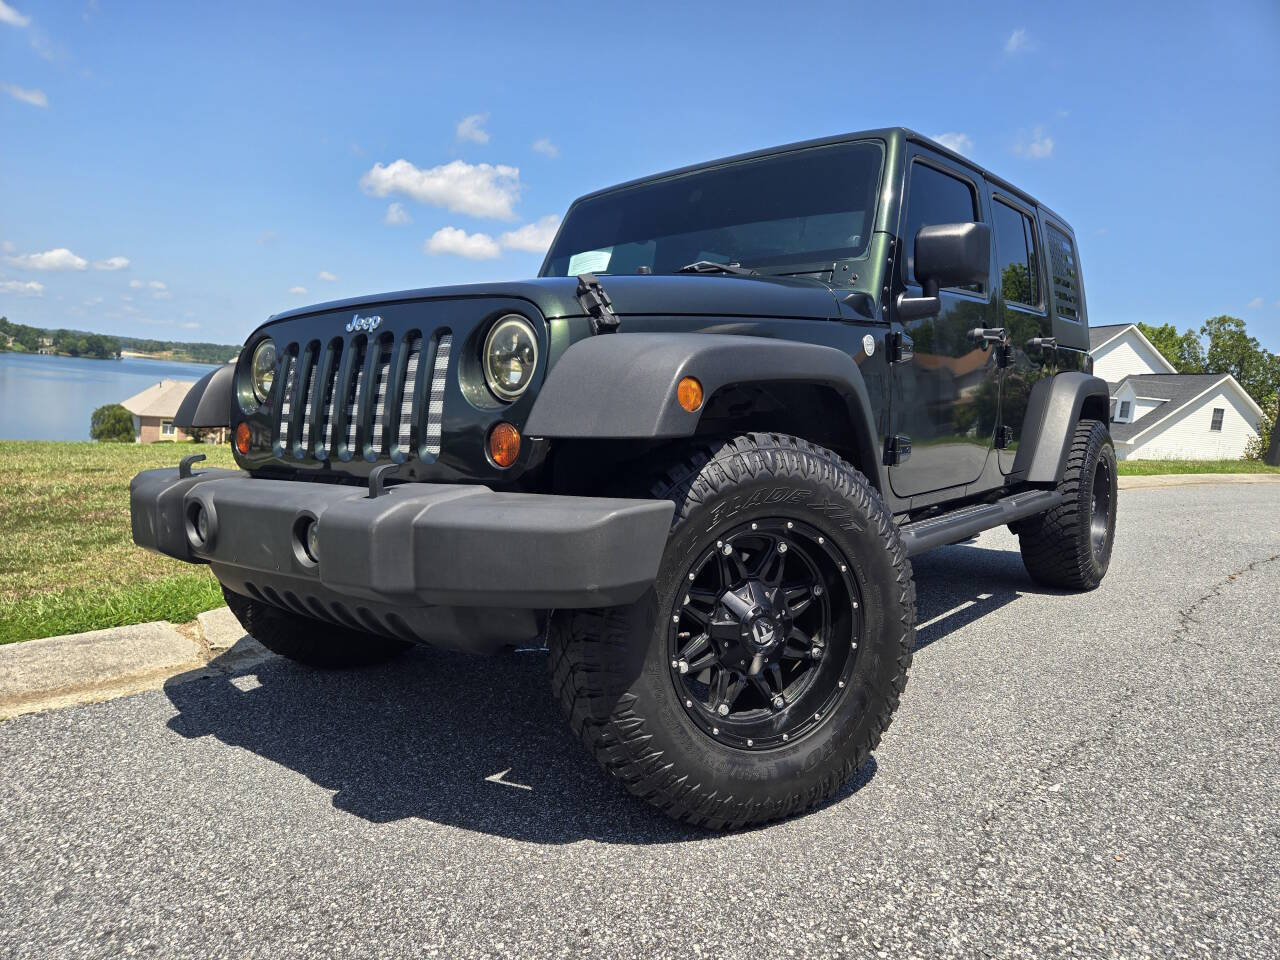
(510, 356)
(263, 369)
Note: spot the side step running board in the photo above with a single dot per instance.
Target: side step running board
(964, 523)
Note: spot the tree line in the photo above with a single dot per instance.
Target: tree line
(77, 343)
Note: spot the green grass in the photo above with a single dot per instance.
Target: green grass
(67, 563)
(1148, 468)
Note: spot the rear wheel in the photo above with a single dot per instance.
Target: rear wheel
(310, 642)
(763, 667)
(1070, 546)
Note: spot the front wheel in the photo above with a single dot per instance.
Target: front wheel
(762, 669)
(1069, 547)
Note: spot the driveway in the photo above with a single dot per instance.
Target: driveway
(1088, 775)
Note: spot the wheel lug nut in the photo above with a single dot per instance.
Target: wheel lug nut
(691, 577)
(688, 703)
(786, 736)
(841, 684)
(715, 731)
(817, 592)
(723, 709)
(683, 666)
(816, 653)
(790, 525)
(751, 743)
(821, 541)
(726, 550)
(675, 664)
(844, 568)
(675, 618)
(755, 526)
(782, 548)
(778, 702)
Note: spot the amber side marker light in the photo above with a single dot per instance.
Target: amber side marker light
(504, 444)
(242, 438)
(689, 393)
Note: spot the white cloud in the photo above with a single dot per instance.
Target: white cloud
(58, 259)
(534, 237)
(36, 98)
(397, 215)
(959, 142)
(1254, 304)
(11, 16)
(472, 128)
(326, 275)
(191, 325)
(1037, 147)
(158, 285)
(92, 301)
(112, 263)
(137, 284)
(298, 291)
(545, 147)
(1018, 42)
(479, 189)
(473, 246)
(28, 288)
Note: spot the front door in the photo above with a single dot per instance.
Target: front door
(946, 399)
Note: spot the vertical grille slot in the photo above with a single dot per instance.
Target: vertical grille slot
(324, 425)
(302, 446)
(405, 424)
(435, 399)
(286, 396)
(353, 398)
(376, 445)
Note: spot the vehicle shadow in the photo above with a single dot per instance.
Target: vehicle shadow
(477, 742)
(474, 742)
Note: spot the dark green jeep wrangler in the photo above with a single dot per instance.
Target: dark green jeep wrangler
(695, 455)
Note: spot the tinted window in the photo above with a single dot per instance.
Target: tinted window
(1065, 272)
(1016, 255)
(935, 197)
(1217, 418)
(805, 207)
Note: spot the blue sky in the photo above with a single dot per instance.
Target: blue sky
(182, 170)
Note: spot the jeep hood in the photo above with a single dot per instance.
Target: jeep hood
(663, 295)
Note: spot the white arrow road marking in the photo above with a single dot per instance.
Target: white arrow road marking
(497, 778)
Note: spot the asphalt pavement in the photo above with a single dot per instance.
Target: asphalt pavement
(1068, 775)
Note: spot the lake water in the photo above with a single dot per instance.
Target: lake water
(52, 398)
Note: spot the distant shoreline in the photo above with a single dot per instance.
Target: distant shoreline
(124, 355)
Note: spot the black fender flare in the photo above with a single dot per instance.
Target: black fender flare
(1053, 410)
(208, 402)
(623, 386)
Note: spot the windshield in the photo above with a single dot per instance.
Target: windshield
(793, 209)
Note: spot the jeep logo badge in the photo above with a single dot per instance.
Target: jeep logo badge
(368, 324)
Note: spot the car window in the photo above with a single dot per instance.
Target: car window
(1016, 255)
(936, 197)
(1065, 272)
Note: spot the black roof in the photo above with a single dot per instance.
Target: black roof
(883, 133)
(1176, 389)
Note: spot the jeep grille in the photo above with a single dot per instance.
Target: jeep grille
(366, 398)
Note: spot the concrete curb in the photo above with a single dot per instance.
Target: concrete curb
(55, 672)
(1184, 479)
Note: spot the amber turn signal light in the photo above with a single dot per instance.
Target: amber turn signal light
(689, 393)
(504, 444)
(242, 438)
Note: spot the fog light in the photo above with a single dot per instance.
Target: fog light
(504, 444)
(311, 542)
(242, 438)
(689, 393)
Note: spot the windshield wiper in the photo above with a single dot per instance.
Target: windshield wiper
(707, 266)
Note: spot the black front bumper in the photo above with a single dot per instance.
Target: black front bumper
(457, 565)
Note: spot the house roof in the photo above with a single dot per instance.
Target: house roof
(158, 400)
(1176, 389)
(1100, 335)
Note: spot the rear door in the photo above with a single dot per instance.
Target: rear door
(946, 398)
(1024, 314)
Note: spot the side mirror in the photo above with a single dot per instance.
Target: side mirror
(952, 254)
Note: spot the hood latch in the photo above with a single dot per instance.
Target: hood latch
(595, 301)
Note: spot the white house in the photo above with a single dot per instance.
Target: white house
(1160, 414)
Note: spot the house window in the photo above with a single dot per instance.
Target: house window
(1016, 253)
(166, 428)
(1217, 418)
(1125, 406)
